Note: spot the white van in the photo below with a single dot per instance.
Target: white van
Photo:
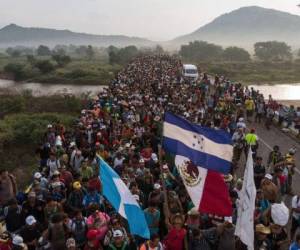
(190, 72)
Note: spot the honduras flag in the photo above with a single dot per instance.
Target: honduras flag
(205, 147)
(117, 193)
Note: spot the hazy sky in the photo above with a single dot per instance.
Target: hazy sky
(154, 19)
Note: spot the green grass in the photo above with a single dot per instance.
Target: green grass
(80, 71)
(255, 72)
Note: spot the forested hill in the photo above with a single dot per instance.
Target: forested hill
(246, 26)
(14, 35)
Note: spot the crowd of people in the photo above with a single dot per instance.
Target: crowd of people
(63, 208)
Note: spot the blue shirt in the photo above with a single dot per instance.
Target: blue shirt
(151, 218)
(294, 246)
(90, 198)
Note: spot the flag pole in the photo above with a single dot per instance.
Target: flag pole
(166, 204)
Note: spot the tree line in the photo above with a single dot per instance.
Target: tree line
(265, 51)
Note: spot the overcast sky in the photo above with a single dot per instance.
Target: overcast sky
(154, 19)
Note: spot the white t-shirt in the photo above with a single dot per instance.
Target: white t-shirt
(296, 204)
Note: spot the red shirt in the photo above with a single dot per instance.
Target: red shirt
(175, 239)
(95, 183)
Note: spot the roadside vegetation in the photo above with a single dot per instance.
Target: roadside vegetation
(272, 62)
(23, 122)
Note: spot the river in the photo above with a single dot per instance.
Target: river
(282, 92)
(43, 89)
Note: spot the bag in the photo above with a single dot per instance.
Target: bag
(79, 229)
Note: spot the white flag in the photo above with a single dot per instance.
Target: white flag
(245, 221)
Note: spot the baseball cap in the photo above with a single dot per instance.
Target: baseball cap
(154, 157)
(76, 185)
(18, 241)
(156, 186)
(30, 220)
(37, 175)
(49, 126)
(269, 177)
(117, 233)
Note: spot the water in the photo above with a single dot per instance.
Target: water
(44, 89)
(279, 92)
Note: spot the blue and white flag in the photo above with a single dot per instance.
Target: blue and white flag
(206, 147)
(117, 193)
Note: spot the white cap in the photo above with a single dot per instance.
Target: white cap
(117, 233)
(30, 220)
(142, 160)
(18, 241)
(241, 119)
(156, 186)
(37, 175)
(154, 157)
(228, 219)
(49, 126)
(269, 177)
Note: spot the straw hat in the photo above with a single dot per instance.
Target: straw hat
(260, 228)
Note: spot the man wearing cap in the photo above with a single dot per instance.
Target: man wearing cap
(34, 207)
(75, 198)
(261, 240)
(119, 242)
(18, 243)
(269, 189)
(31, 232)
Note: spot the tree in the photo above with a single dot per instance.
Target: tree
(16, 70)
(43, 51)
(201, 51)
(13, 52)
(45, 66)
(123, 55)
(61, 60)
(90, 52)
(81, 51)
(236, 54)
(158, 49)
(31, 59)
(272, 50)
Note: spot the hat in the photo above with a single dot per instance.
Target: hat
(141, 160)
(30, 220)
(156, 186)
(56, 172)
(72, 144)
(76, 185)
(292, 151)
(154, 157)
(260, 228)
(32, 194)
(18, 241)
(241, 119)
(269, 177)
(70, 242)
(193, 211)
(92, 234)
(228, 219)
(117, 233)
(37, 175)
(280, 214)
(49, 126)
(228, 178)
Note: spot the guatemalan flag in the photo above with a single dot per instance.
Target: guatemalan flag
(202, 156)
(117, 193)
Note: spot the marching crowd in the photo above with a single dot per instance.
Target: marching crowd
(63, 208)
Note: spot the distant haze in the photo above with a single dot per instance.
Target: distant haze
(152, 19)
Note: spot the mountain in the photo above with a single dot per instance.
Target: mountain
(246, 26)
(13, 35)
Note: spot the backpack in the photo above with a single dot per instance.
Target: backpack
(79, 228)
